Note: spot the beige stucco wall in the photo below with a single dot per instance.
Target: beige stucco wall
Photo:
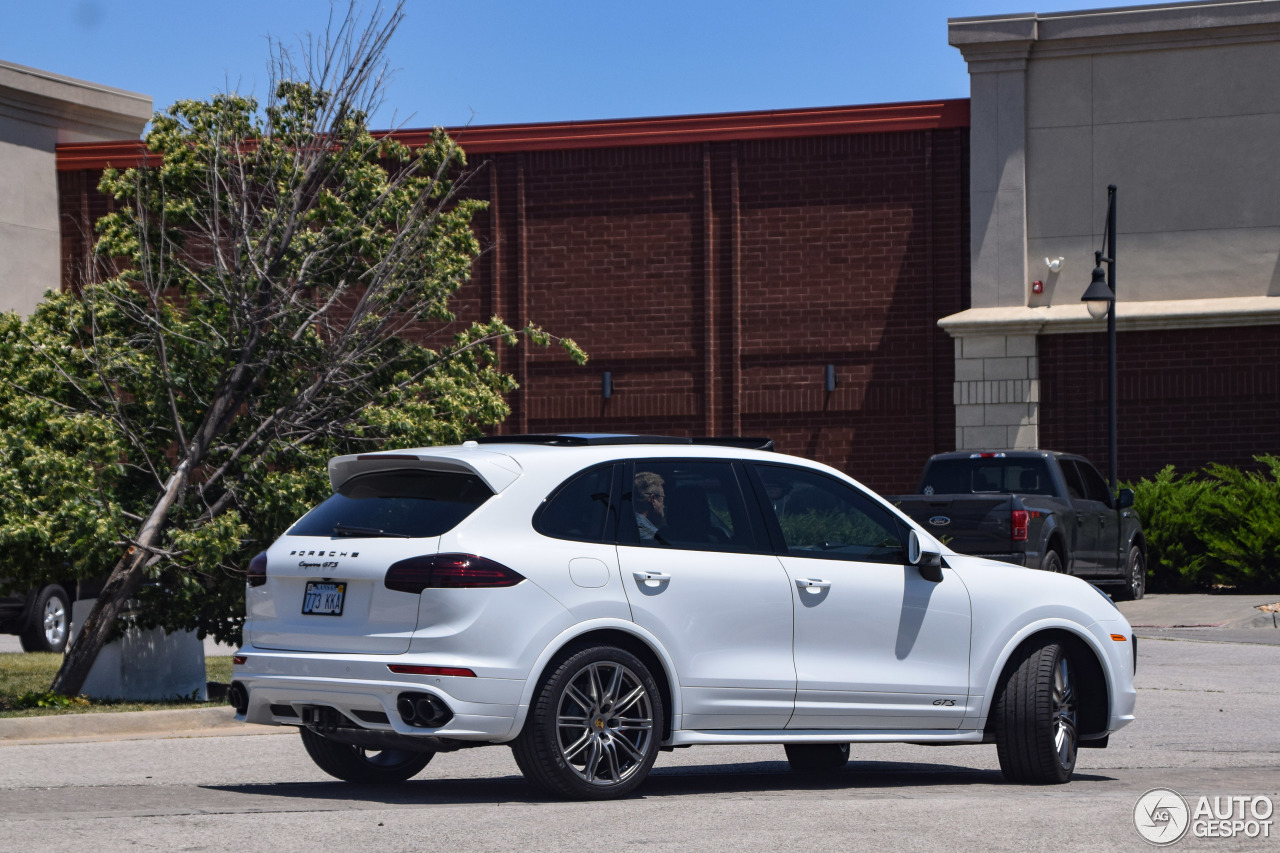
(38, 110)
(1178, 106)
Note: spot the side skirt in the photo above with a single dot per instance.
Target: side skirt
(928, 736)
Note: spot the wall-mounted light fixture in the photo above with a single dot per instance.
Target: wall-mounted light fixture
(830, 382)
(1054, 264)
(606, 385)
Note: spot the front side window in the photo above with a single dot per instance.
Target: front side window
(1095, 488)
(691, 505)
(825, 518)
(407, 504)
(579, 510)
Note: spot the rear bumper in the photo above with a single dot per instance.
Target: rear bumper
(363, 690)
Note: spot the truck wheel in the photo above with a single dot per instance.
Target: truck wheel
(593, 729)
(364, 767)
(1135, 576)
(49, 623)
(1052, 562)
(1036, 716)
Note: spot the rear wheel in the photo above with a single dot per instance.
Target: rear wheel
(363, 766)
(1135, 576)
(49, 623)
(817, 757)
(1036, 717)
(1052, 562)
(593, 729)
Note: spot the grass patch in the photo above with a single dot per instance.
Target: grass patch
(25, 676)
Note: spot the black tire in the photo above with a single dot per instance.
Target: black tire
(594, 728)
(1052, 562)
(49, 622)
(1135, 574)
(1036, 716)
(817, 757)
(362, 766)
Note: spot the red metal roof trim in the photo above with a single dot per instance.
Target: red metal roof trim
(612, 133)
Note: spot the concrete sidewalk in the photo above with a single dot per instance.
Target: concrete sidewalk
(218, 721)
(1205, 618)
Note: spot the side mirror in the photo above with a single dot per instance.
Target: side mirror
(928, 562)
(1124, 499)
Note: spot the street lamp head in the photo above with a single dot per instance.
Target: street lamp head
(1099, 296)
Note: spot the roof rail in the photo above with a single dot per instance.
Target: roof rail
(609, 438)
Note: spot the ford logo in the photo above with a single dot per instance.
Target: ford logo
(939, 521)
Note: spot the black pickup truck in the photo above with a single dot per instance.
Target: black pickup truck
(1036, 508)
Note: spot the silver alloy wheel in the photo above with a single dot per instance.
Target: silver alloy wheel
(604, 723)
(1137, 575)
(1064, 713)
(55, 621)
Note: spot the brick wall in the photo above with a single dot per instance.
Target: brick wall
(715, 281)
(1187, 397)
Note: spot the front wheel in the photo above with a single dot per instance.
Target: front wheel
(593, 728)
(1036, 715)
(49, 624)
(1135, 577)
(363, 766)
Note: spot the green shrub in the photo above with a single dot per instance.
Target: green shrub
(1215, 528)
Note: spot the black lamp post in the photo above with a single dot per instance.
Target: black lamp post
(1101, 299)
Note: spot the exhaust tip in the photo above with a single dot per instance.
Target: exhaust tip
(423, 710)
(238, 696)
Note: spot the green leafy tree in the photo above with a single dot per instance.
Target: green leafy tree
(276, 284)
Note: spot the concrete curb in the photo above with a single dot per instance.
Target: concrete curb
(197, 722)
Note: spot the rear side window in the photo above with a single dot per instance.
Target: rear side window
(408, 504)
(976, 476)
(579, 509)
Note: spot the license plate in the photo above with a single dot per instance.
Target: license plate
(324, 598)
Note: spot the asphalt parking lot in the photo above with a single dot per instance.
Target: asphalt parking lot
(1206, 726)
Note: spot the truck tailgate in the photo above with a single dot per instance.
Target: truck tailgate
(971, 524)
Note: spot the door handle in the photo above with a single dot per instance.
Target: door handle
(812, 584)
(651, 577)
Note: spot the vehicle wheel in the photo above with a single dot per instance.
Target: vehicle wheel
(817, 757)
(49, 624)
(593, 728)
(1052, 562)
(363, 766)
(1135, 577)
(1036, 716)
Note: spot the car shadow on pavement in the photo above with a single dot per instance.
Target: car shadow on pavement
(754, 777)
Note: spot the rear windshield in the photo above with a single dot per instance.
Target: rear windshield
(978, 476)
(410, 504)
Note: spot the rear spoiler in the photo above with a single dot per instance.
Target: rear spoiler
(497, 470)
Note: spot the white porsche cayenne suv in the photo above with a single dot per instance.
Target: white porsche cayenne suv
(590, 600)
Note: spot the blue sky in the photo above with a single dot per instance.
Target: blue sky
(491, 62)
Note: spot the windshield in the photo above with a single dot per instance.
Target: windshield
(412, 504)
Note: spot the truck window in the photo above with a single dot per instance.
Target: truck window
(1075, 486)
(1023, 476)
(1094, 486)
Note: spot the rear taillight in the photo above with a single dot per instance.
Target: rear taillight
(1018, 521)
(448, 571)
(257, 574)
